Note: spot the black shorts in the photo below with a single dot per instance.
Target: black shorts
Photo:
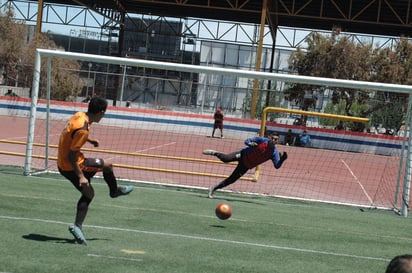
(89, 168)
(218, 125)
(92, 165)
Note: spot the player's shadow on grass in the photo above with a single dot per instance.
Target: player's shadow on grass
(45, 238)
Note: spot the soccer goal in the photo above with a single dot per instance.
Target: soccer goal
(162, 141)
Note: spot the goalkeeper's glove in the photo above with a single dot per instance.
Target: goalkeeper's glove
(284, 156)
(252, 144)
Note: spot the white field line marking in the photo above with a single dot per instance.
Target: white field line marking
(156, 147)
(357, 181)
(113, 257)
(259, 245)
(148, 149)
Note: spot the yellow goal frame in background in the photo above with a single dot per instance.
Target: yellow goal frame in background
(269, 109)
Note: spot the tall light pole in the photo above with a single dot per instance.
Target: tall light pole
(122, 88)
(72, 34)
(88, 80)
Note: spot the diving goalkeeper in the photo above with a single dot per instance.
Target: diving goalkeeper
(257, 150)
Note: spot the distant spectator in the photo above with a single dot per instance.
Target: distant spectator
(128, 104)
(218, 124)
(358, 127)
(10, 93)
(400, 264)
(389, 132)
(340, 126)
(300, 121)
(289, 138)
(297, 121)
(303, 140)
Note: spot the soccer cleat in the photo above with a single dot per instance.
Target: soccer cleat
(78, 234)
(123, 190)
(210, 152)
(210, 193)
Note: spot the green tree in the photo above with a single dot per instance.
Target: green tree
(338, 56)
(12, 35)
(65, 80)
(263, 100)
(17, 54)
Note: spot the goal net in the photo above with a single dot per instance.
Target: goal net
(161, 141)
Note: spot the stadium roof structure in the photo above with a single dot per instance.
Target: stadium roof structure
(376, 17)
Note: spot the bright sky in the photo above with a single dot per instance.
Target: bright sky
(78, 17)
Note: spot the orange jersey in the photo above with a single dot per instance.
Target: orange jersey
(73, 137)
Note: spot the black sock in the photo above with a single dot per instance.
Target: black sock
(82, 208)
(110, 181)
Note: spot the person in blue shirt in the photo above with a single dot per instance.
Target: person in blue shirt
(304, 139)
(258, 150)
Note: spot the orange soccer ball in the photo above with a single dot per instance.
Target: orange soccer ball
(223, 211)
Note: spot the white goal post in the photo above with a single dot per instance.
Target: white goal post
(403, 178)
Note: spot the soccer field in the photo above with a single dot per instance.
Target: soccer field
(165, 229)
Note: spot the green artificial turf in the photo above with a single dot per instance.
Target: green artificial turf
(166, 229)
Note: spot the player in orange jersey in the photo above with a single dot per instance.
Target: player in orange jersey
(78, 169)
